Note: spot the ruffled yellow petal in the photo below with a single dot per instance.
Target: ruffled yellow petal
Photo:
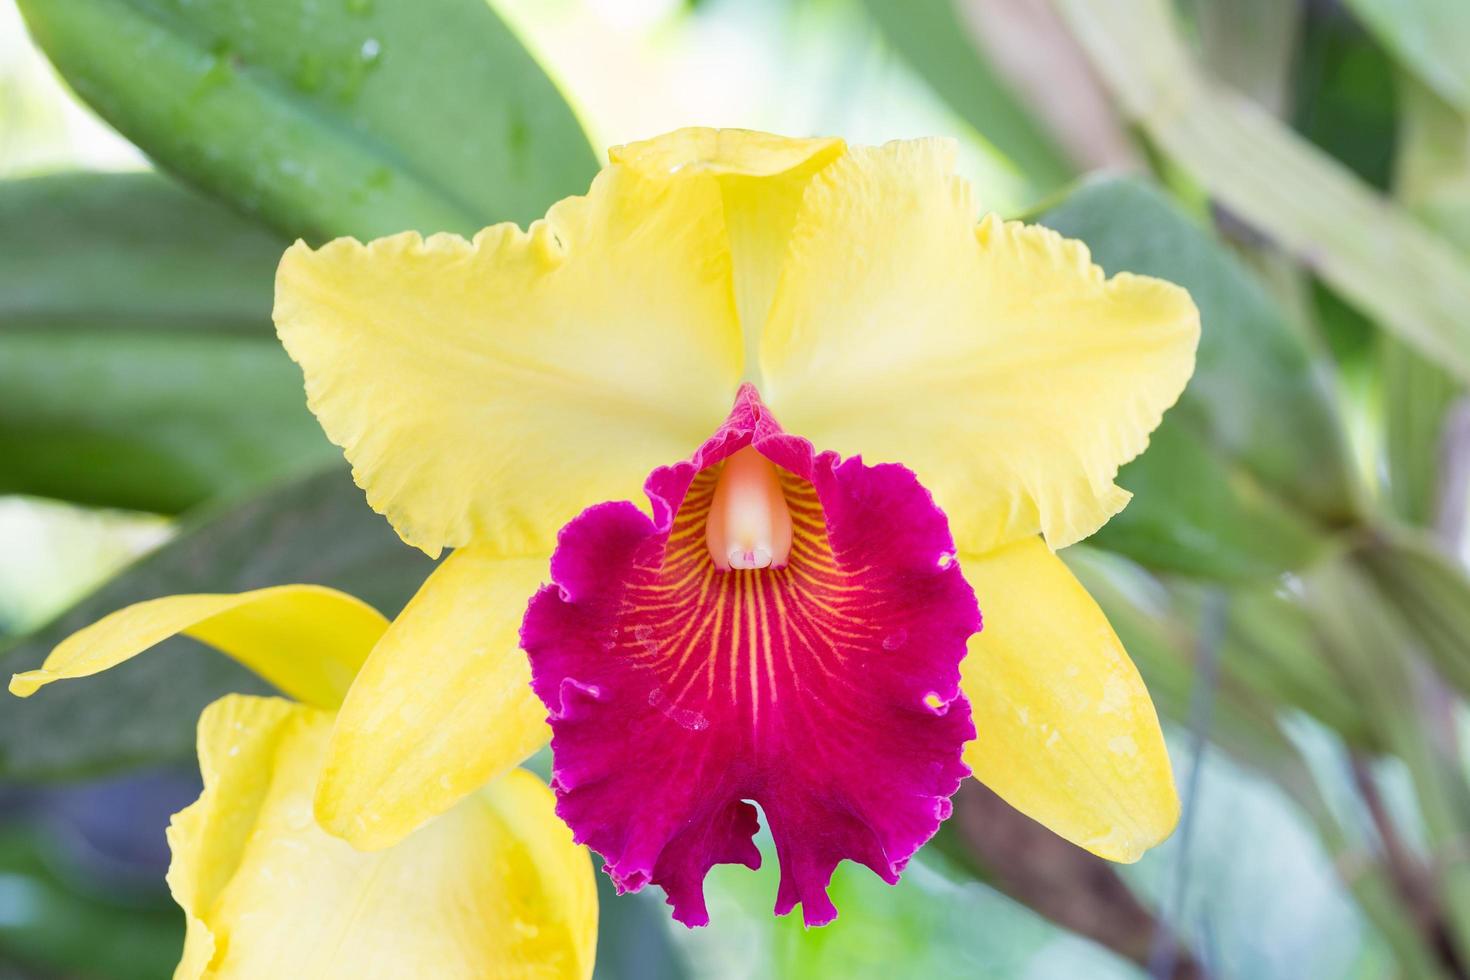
(761, 180)
(307, 640)
(995, 360)
(1067, 733)
(488, 391)
(493, 888)
(443, 705)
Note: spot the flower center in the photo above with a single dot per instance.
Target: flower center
(749, 525)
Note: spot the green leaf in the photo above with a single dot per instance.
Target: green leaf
(1250, 45)
(1344, 95)
(930, 37)
(1245, 471)
(1431, 592)
(1417, 395)
(1433, 180)
(1376, 255)
(1432, 172)
(633, 941)
(52, 924)
(149, 421)
(328, 117)
(312, 530)
(138, 365)
(1429, 37)
(80, 250)
(933, 923)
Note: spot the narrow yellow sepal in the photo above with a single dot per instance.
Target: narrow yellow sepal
(442, 705)
(1067, 732)
(307, 640)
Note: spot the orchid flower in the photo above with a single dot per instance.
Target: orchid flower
(494, 887)
(854, 408)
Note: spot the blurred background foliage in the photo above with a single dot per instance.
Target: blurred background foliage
(1291, 576)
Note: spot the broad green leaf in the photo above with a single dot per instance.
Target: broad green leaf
(138, 365)
(1373, 643)
(1433, 180)
(311, 530)
(1344, 99)
(1247, 468)
(1430, 591)
(328, 117)
(1430, 39)
(155, 421)
(82, 250)
(1250, 45)
(1417, 395)
(930, 37)
(1375, 254)
(1432, 171)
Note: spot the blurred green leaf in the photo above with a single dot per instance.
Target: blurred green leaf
(934, 923)
(633, 941)
(1372, 643)
(149, 421)
(47, 924)
(1433, 180)
(1251, 45)
(82, 249)
(315, 529)
(1432, 172)
(931, 39)
(1375, 254)
(1430, 591)
(1417, 394)
(1429, 37)
(1250, 465)
(1268, 658)
(1344, 95)
(328, 117)
(138, 365)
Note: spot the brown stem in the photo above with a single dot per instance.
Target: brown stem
(1064, 883)
(1410, 876)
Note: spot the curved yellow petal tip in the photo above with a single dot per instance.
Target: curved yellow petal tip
(28, 682)
(307, 640)
(723, 151)
(1068, 733)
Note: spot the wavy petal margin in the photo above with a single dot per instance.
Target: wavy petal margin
(827, 691)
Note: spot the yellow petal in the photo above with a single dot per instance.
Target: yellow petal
(1067, 733)
(489, 391)
(761, 179)
(493, 888)
(994, 360)
(442, 706)
(307, 640)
